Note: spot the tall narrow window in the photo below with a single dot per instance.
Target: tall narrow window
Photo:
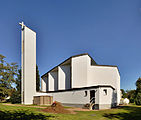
(105, 91)
(85, 94)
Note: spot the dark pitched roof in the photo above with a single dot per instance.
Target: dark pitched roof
(92, 62)
(106, 65)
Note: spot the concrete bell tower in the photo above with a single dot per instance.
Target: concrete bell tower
(28, 64)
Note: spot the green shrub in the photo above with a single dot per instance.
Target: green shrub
(138, 99)
(15, 97)
(132, 100)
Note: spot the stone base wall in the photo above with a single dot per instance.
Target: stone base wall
(104, 106)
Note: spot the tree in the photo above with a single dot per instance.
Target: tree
(18, 81)
(131, 94)
(123, 93)
(138, 99)
(138, 92)
(15, 97)
(8, 72)
(138, 85)
(16, 94)
(37, 79)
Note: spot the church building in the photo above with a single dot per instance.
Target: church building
(79, 80)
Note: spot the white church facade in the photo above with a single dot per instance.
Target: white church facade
(79, 80)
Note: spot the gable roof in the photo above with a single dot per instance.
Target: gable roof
(92, 62)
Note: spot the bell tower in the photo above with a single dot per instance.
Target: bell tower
(28, 64)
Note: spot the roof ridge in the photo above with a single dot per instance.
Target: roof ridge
(67, 60)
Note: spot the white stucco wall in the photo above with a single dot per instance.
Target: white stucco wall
(28, 65)
(71, 97)
(105, 99)
(61, 79)
(97, 96)
(79, 97)
(50, 82)
(79, 71)
(85, 75)
(118, 88)
(64, 77)
(103, 75)
(99, 75)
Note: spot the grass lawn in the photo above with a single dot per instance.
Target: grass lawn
(130, 112)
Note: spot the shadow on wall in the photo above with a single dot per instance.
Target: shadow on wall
(23, 115)
(67, 71)
(128, 113)
(114, 99)
(55, 77)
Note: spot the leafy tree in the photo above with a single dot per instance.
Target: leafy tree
(37, 79)
(18, 81)
(8, 72)
(131, 94)
(16, 94)
(15, 97)
(138, 92)
(138, 99)
(138, 85)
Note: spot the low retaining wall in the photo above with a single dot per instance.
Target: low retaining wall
(42, 100)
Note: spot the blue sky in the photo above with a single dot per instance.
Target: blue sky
(109, 30)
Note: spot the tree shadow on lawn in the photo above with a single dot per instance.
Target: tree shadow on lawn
(23, 115)
(133, 113)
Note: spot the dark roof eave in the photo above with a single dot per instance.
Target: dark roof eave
(78, 56)
(80, 88)
(67, 60)
(105, 65)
